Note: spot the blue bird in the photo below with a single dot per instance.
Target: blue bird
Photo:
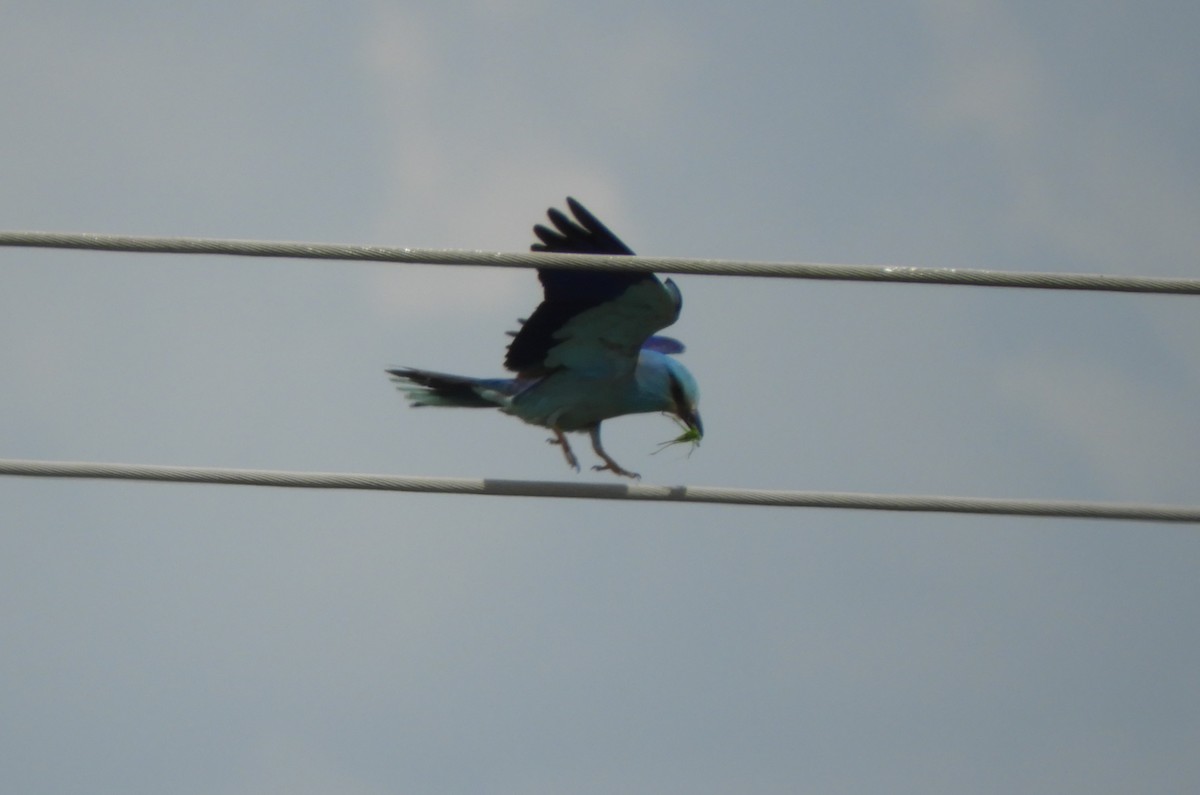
(587, 353)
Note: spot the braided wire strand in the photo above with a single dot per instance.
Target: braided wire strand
(702, 267)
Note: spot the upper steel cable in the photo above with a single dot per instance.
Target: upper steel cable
(705, 267)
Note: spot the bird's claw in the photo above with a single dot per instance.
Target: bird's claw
(616, 470)
(609, 464)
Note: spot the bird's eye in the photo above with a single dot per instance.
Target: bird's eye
(677, 393)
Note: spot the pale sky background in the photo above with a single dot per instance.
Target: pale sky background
(212, 640)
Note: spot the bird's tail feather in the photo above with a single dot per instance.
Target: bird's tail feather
(426, 388)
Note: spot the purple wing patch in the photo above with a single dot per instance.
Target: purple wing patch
(663, 345)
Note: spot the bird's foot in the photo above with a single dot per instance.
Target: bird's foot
(609, 464)
(616, 469)
(561, 440)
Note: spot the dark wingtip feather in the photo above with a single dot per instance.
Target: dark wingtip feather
(551, 240)
(585, 234)
(589, 221)
(564, 224)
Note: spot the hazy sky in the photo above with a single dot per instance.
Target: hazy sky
(213, 640)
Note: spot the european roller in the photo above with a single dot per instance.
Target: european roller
(587, 353)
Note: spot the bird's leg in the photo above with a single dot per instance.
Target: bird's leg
(561, 440)
(609, 463)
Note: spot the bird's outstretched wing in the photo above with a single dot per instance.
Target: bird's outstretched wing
(594, 322)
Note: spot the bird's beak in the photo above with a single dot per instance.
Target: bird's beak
(691, 418)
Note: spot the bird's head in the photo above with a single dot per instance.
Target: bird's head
(685, 398)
